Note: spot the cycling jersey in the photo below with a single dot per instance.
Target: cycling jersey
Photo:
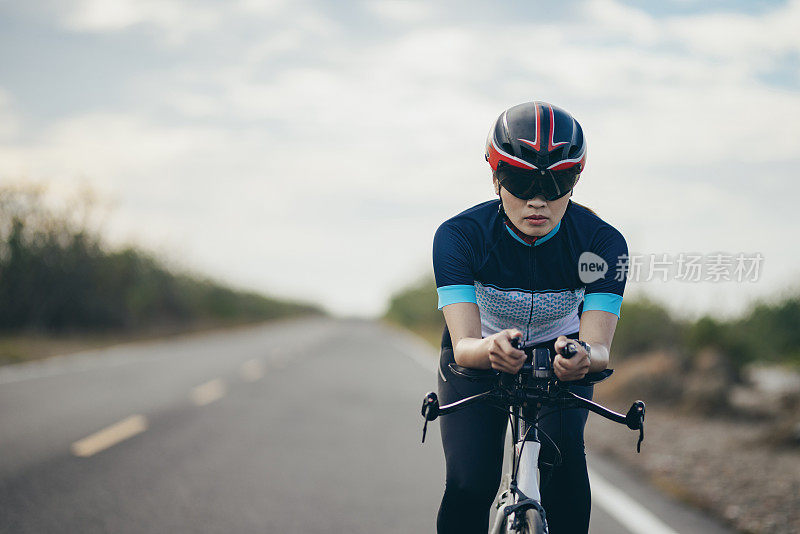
(540, 286)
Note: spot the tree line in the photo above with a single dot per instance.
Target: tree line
(58, 275)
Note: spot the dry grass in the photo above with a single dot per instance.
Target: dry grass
(15, 348)
(656, 376)
(740, 468)
(712, 464)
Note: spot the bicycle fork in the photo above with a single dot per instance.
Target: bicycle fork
(528, 470)
(522, 492)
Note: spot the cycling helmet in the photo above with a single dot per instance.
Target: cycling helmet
(537, 136)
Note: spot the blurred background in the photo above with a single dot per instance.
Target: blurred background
(169, 167)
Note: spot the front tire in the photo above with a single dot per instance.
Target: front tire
(533, 520)
(533, 523)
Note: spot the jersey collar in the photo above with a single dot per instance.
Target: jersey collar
(530, 240)
(523, 238)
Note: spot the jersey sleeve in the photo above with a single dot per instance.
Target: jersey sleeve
(605, 292)
(452, 266)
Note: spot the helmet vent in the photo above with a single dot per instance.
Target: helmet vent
(527, 153)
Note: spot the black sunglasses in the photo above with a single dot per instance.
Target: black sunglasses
(526, 185)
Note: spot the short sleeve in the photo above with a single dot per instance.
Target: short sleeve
(604, 270)
(452, 266)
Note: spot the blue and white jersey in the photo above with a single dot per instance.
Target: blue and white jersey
(541, 289)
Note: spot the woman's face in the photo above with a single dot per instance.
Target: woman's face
(534, 217)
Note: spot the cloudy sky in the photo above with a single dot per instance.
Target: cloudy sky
(311, 148)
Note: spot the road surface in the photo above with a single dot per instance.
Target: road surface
(301, 427)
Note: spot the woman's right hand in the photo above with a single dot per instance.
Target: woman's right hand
(502, 355)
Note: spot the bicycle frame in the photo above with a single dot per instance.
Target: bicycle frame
(524, 471)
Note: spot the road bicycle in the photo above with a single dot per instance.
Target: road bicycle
(519, 509)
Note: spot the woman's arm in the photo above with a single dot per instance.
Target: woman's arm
(470, 350)
(597, 329)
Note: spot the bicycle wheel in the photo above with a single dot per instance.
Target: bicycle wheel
(533, 523)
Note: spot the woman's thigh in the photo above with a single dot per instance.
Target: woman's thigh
(566, 495)
(565, 427)
(472, 438)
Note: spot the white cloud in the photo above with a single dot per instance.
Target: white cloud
(407, 11)
(262, 7)
(614, 19)
(748, 37)
(9, 122)
(289, 161)
(95, 15)
(175, 19)
(101, 145)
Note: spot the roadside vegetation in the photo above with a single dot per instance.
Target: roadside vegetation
(648, 326)
(415, 308)
(59, 281)
(707, 366)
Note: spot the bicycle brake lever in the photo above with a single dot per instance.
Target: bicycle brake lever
(641, 436)
(634, 419)
(430, 411)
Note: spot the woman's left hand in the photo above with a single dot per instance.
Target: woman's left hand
(567, 369)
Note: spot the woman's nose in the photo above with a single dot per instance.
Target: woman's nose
(537, 202)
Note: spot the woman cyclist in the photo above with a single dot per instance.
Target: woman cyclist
(535, 265)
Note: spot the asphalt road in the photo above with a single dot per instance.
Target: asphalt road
(294, 427)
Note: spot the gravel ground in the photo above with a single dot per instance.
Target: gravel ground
(719, 465)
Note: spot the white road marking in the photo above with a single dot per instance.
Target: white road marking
(624, 509)
(209, 392)
(252, 370)
(109, 436)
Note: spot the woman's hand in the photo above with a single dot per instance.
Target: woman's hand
(503, 356)
(567, 369)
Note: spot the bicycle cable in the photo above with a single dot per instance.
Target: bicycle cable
(559, 458)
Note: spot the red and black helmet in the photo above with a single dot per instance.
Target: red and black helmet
(537, 136)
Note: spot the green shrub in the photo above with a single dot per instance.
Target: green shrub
(645, 325)
(415, 305)
(771, 331)
(56, 275)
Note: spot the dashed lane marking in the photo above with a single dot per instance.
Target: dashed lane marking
(109, 436)
(208, 392)
(252, 370)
